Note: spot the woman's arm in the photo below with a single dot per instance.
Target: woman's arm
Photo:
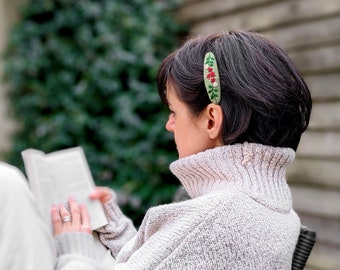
(119, 229)
(76, 250)
(75, 244)
(76, 247)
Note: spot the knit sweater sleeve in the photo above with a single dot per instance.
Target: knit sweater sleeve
(76, 251)
(119, 230)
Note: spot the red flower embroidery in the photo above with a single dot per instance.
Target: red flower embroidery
(211, 75)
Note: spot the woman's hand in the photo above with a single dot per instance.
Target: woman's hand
(103, 194)
(77, 221)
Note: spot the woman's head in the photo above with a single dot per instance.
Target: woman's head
(263, 97)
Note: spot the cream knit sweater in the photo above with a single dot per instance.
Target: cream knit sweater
(240, 217)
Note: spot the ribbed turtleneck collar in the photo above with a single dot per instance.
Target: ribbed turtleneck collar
(254, 169)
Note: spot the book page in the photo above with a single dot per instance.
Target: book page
(55, 177)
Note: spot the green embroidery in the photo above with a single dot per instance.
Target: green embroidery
(212, 78)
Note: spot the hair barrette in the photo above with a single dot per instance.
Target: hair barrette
(212, 78)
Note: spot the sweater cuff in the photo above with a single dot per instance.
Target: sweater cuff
(111, 209)
(76, 243)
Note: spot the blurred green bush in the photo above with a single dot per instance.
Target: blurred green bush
(83, 73)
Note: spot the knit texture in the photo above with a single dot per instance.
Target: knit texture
(76, 251)
(254, 169)
(240, 215)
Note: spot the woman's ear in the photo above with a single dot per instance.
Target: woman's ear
(214, 117)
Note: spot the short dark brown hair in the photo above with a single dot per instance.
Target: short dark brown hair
(263, 97)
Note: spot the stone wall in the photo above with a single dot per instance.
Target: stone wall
(309, 30)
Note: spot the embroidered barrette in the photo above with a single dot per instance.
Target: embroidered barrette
(212, 78)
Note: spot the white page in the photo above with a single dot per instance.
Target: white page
(56, 176)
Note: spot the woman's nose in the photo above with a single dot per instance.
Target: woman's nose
(170, 124)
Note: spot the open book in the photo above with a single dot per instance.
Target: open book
(56, 176)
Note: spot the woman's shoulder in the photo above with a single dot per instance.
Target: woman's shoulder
(196, 208)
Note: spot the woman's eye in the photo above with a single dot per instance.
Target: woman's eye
(171, 113)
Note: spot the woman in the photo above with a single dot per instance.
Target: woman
(238, 107)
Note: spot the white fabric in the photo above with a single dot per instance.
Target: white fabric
(25, 240)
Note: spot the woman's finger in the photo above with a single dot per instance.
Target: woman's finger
(85, 220)
(75, 212)
(56, 220)
(103, 194)
(66, 217)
